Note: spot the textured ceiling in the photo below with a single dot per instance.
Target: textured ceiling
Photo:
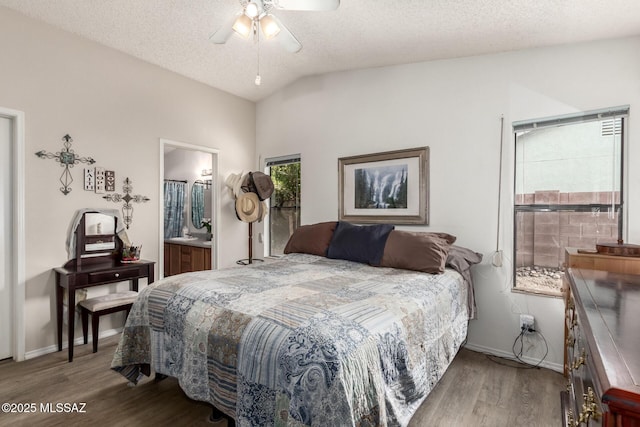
(174, 34)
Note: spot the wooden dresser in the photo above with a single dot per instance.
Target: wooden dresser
(589, 261)
(602, 348)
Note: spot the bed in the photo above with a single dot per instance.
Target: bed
(303, 340)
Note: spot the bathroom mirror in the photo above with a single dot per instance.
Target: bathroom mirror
(198, 204)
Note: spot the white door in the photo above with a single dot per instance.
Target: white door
(6, 262)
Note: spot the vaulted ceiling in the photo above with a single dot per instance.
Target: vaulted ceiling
(174, 34)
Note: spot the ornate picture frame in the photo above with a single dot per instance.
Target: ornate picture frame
(388, 187)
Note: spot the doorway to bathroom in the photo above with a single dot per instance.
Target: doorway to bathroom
(189, 214)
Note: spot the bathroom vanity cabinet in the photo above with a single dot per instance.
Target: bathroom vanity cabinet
(183, 257)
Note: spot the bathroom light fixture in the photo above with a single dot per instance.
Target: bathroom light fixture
(208, 174)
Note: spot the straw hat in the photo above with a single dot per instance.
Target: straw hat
(265, 211)
(248, 207)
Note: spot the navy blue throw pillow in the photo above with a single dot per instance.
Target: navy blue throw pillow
(359, 243)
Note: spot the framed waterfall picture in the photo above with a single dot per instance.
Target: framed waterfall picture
(390, 187)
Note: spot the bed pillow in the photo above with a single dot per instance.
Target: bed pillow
(359, 243)
(311, 239)
(426, 252)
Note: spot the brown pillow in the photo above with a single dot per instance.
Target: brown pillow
(426, 252)
(311, 239)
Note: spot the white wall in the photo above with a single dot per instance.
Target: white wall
(116, 108)
(454, 107)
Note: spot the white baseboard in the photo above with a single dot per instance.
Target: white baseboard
(481, 349)
(78, 341)
(474, 347)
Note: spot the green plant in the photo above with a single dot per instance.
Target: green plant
(206, 222)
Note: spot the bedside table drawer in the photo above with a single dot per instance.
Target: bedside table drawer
(114, 276)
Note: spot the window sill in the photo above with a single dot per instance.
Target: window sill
(537, 292)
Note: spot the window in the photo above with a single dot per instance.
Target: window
(284, 204)
(568, 192)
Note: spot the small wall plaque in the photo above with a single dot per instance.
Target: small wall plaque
(100, 180)
(110, 181)
(89, 179)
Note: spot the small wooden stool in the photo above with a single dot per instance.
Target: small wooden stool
(106, 304)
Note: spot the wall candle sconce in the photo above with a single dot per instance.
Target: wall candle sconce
(127, 207)
(67, 158)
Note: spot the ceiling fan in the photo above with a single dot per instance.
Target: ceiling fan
(256, 16)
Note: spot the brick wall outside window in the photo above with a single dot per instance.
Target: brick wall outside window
(542, 236)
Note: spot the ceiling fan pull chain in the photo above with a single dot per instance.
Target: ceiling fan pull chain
(258, 78)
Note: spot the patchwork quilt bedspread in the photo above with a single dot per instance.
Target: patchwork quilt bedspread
(301, 341)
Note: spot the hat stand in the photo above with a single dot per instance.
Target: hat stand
(249, 260)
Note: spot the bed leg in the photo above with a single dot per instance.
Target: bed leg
(159, 377)
(217, 416)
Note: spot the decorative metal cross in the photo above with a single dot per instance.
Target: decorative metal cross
(127, 208)
(67, 158)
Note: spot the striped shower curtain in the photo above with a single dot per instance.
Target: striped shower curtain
(174, 193)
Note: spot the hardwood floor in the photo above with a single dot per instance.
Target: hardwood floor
(475, 391)
(479, 391)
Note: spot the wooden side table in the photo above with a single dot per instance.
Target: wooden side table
(73, 276)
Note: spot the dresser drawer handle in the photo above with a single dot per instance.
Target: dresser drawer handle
(570, 341)
(581, 360)
(589, 408)
(571, 305)
(571, 421)
(117, 274)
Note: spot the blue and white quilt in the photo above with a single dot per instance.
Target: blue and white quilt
(300, 341)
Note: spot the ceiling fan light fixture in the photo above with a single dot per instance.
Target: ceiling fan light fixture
(243, 26)
(251, 10)
(270, 27)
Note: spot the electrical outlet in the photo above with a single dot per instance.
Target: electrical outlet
(526, 323)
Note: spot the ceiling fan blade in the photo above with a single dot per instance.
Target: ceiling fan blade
(307, 4)
(223, 34)
(286, 37)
